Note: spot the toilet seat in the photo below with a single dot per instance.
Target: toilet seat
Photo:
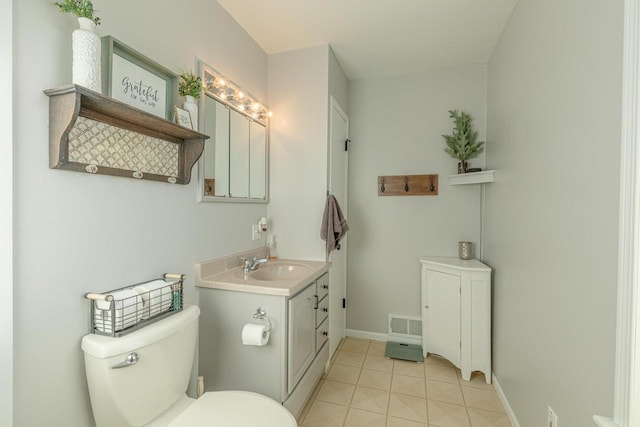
(234, 409)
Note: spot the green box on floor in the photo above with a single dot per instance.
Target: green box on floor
(396, 350)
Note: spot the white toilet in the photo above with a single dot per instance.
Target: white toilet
(140, 379)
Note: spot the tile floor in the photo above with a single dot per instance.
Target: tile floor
(363, 388)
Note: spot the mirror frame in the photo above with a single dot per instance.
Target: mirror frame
(202, 69)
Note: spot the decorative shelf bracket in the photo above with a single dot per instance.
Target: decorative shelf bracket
(89, 132)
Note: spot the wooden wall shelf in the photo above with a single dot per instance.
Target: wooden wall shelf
(408, 185)
(89, 132)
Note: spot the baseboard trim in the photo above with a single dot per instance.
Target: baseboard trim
(604, 421)
(505, 402)
(354, 333)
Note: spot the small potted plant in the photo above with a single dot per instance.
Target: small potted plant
(79, 8)
(86, 66)
(190, 86)
(461, 144)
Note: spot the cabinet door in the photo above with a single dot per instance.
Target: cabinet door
(302, 335)
(442, 309)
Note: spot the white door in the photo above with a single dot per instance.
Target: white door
(441, 303)
(338, 180)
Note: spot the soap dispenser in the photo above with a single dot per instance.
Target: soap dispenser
(271, 245)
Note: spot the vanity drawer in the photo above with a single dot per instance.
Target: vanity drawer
(322, 334)
(322, 286)
(323, 311)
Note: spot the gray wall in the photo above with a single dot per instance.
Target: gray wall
(552, 214)
(396, 128)
(77, 232)
(298, 95)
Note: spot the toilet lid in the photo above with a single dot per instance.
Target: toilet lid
(234, 409)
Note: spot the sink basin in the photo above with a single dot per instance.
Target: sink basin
(280, 271)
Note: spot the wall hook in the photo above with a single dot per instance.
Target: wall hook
(406, 184)
(431, 187)
(382, 184)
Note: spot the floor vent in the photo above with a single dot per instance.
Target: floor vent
(405, 326)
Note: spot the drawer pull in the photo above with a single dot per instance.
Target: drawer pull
(325, 286)
(325, 309)
(325, 333)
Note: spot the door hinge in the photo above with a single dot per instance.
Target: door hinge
(344, 303)
(346, 144)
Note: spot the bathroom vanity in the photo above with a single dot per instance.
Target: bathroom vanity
(294, 295)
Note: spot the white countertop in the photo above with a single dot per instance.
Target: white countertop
(235, 280)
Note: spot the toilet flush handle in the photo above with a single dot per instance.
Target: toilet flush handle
(132, 359)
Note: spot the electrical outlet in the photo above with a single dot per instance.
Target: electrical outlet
(552, 418)
(255, 232)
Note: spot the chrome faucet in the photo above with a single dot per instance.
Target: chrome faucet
(250, 265)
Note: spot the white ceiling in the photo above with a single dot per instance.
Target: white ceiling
(373, 38)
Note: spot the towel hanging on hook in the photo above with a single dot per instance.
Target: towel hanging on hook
(334, 225)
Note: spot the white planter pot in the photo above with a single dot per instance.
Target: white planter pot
(86, 69)
(191, 106)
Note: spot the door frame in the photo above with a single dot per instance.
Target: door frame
(626, 410)
(334, 105)
(6, 214)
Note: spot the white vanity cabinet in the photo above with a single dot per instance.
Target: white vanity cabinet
(456, 313)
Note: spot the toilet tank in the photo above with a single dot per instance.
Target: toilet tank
(136, 394)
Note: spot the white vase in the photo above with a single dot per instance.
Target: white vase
(191, 106)
(86, 69)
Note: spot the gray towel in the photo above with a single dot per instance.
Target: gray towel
(334, 225)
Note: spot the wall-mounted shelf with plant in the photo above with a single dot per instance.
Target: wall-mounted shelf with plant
(89, 132)
(482, 177)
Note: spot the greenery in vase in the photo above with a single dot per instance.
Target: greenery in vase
(190, 85)
(80, 8)
(461, 144)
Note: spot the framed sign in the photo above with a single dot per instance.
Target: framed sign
(134, 79)
(183, 118)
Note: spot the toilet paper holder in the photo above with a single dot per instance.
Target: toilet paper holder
(261, 314)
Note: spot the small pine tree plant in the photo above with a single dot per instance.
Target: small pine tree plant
(461, 144)
(80, 8)
(190, 84)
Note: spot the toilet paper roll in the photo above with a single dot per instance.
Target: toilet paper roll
(255, 334)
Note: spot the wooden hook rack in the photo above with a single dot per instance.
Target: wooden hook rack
(408, 185)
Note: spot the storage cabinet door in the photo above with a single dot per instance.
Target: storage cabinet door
(442, 309)
(302, 335)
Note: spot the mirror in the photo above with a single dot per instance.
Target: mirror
(233, 167)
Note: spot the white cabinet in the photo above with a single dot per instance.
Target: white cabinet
(456, 313)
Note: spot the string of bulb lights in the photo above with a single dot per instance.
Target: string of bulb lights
(232, 95)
